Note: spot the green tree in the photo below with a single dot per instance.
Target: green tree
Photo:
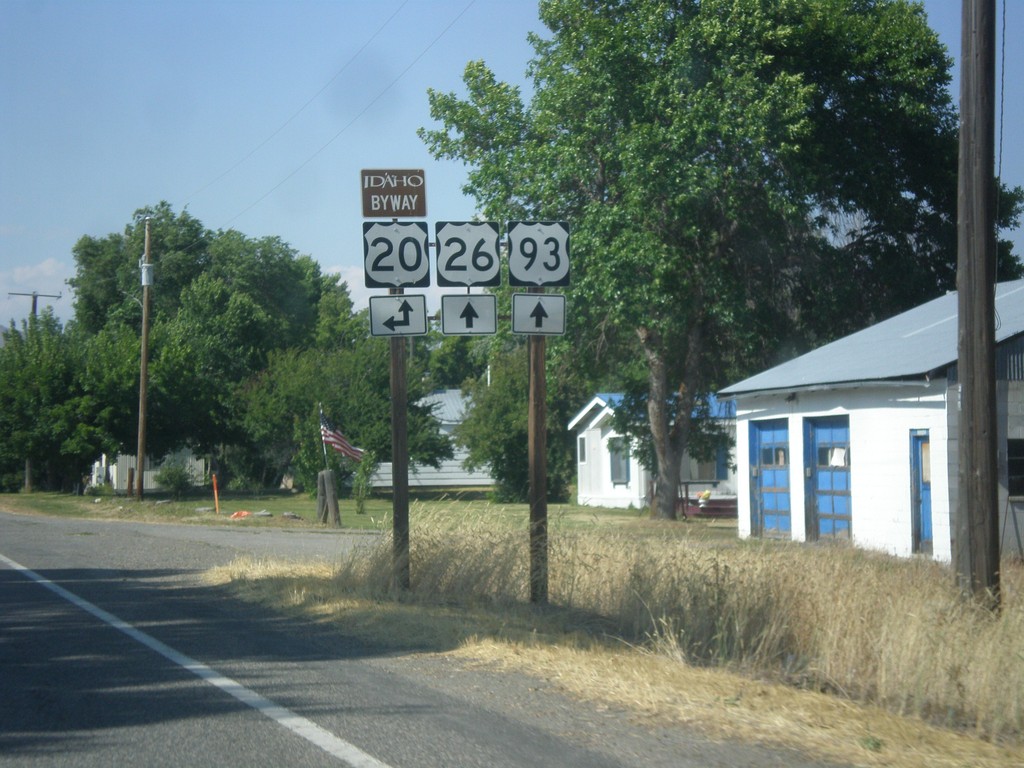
(45, 414)
(495, 426)
(455, 359)
(495, 429)
(337, 325)
(222, 303)
(107, 278)
(281, 418)
(361, 486)
(109, 376)
(717, 160)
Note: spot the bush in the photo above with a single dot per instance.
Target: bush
(102, 490)
(362, 486)
(175, 478)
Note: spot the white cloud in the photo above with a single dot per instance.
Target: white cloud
(360, 294)
(49, 271)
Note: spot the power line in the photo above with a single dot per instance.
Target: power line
(351, 122)
(334, 138)
(301, 109)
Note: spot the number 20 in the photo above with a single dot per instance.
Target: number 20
(386, 253)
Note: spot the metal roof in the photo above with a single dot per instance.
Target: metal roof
(449, 405)
(907, 346)
(606, 402)
(600, 402)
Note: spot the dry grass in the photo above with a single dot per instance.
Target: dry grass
(858, 656)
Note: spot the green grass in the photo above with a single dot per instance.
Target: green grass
(457, 505)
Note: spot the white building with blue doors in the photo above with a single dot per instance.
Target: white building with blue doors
(857, 440)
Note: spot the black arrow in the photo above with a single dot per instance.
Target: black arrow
(406, 310)
(539, 314)
(469, 314)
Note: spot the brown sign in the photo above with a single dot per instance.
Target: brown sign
(393, 193)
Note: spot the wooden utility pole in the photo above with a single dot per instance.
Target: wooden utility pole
(35, 303)
(35, 298)
(399, 461)
(976, 547)
(140, 455)
(537, 456)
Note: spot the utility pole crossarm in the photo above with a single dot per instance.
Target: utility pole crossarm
(35, 298)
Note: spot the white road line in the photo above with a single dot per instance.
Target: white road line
(307, 729)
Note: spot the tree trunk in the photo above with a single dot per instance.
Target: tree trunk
(670, 433)
(667, 481)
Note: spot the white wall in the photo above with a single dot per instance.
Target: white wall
(881, 420)
(450, 474)
(1010, 407)
(594, 486)
(116, 469)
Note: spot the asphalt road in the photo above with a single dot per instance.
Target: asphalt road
(113, 652)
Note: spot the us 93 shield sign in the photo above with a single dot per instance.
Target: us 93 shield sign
(538, 253)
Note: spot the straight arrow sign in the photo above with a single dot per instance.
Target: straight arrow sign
(469, 314)
(538, 314)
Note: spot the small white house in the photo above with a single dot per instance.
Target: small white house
(857, 440)
(609, 474)
(449, 408)
(115, 470)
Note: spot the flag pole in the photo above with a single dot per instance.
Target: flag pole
(322, 443)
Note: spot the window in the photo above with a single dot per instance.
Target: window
(774, 456)
(708, 471)
(832, 456)
(618, 450)
(581, 449)
(1015, 467)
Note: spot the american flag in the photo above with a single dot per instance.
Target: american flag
(338, 441)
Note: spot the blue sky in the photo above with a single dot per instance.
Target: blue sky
(256, 115)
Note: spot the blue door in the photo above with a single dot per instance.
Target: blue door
(921, 489)
(827, 464)
(769, 478)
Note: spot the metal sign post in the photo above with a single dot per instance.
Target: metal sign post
(538, 255)
(538, 472)
(395, 256)
(399, 463)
